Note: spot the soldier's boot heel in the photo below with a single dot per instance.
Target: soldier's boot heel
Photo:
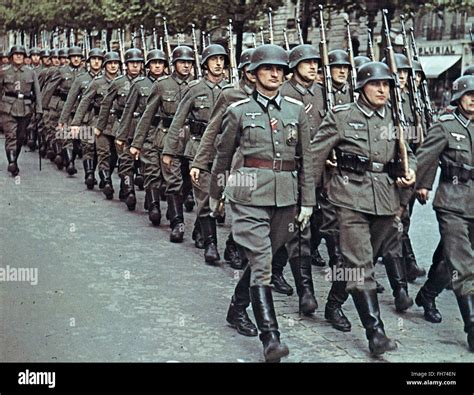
(58, 159)
(368, 308)
(154, 211)
(396, 274)
(108, 189)
(69, 160)
(208, 230)
(466, 306)
(265, 316)
(427, 300)
(379, 287)
(12, 163)
(232, 254)
(176, 217)
(197, 235)
(238, 319)
(89, 178)
(333, 311)
(317, 259)
(129, 192)
(278, 281)
(301, 269)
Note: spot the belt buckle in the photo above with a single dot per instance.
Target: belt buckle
(21, 96)
(377, 167)
(278, 167)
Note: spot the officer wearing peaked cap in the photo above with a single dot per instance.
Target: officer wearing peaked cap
(450, 144)
(263, 135)
(364, 169)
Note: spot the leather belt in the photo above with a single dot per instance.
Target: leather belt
(275, 164)
(18, 95)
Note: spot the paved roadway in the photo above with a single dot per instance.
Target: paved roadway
(112, 288)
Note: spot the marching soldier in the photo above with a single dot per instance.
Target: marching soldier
(35, 58)
(20, 100)
(196, 108)
(63, 56)
(44, 56)
(113, 105)
(340, 67)
(79, 86)
(133, 110)
(268, 132)
(363, 188)
(55, 94)
(304, 64)
(87, 113)
(206, 151)
(4, 59)
(449, 143)
(166, 93)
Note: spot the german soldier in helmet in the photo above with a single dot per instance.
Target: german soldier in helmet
(365, 160)
(134, 107)
(449, 144)
(20, 100)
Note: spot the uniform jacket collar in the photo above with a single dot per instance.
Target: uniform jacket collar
(245, 87)
(265, 101)
(461, 118)
(301, 89)
(368, 111)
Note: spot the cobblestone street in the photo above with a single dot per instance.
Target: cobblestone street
(113, 288)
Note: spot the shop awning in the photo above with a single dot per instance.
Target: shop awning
(433, 66)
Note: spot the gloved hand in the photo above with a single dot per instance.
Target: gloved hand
(304, 216)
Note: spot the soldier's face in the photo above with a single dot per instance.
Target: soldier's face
(320, 77)
(35, 59)
(215, 65)
(249, 75)
(308, 70)
(134, 68)
(419, 77)
(340, 74)
(112, 67)
(18, 59)
(75, 60)
(55, 61)
(157, 67)
(269, 77)
(95, 63)
(377, 92)
(27, 61)
(403, 77)
(183, 67)
(46, 61)
(467, 103)
(4, 60)
(64, 61)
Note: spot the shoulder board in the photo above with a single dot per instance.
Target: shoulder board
(341, 107)
(238, 103)
(7, 67)
(194, 83)
(162, 78)
(291, 100)
(138, 79)
(119, 77)
(446, 117)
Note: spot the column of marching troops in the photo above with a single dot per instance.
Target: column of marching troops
(317, 172)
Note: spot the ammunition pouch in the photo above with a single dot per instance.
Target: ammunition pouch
(197, 128)
(155, 121)
(166, 122)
